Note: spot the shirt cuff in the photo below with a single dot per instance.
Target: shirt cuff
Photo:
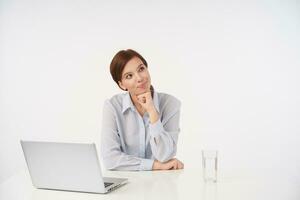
(146, 164)
(156, 128)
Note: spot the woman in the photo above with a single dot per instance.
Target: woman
(140, 127)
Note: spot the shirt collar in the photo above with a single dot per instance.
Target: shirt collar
(127, 102)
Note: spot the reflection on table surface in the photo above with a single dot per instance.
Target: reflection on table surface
(175, 185)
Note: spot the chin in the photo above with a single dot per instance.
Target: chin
(140, 91)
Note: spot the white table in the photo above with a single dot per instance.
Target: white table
(176, 185)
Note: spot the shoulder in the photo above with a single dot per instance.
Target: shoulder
(115, 101)
(168, 99)
(168, 102)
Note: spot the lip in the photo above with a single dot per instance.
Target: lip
(142, 85)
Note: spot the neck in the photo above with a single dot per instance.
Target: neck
(134, 100)
(137, 105)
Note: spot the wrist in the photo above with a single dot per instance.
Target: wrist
(156, 165)
(153, 115)
(151, 109)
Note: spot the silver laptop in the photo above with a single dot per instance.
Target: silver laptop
(67, 166)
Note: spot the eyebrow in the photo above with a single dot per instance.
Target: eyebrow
(131, 72)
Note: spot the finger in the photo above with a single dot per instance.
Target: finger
(180, 165)
(143, 94)
(175, 165)
(146, 95)
(170, 165)
(167, 166)
(141, 99)
(172, 168)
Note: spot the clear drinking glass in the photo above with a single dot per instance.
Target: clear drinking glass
(210, 165)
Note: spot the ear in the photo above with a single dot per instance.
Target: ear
(121, 85)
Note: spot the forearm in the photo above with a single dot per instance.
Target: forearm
(115, 160)
(163, 150)
(164, 136)
(153, 115)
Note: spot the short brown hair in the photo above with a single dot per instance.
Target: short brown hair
(120, 60)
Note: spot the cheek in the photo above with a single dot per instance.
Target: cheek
(130, 85)
(149, 77)
(146, 75)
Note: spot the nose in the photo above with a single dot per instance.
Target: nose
(139, 78)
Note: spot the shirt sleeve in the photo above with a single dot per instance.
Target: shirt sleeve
(164, 132)
(111, 153)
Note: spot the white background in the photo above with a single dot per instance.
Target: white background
(235, 66)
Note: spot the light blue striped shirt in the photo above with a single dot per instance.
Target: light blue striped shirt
(127, 138)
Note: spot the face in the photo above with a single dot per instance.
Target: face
(135, 77)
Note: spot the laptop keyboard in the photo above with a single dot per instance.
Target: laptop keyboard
(107, 184)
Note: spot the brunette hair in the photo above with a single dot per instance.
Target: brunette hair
(120, 60)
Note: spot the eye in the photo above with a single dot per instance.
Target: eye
(142, 68)
(128, 76)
